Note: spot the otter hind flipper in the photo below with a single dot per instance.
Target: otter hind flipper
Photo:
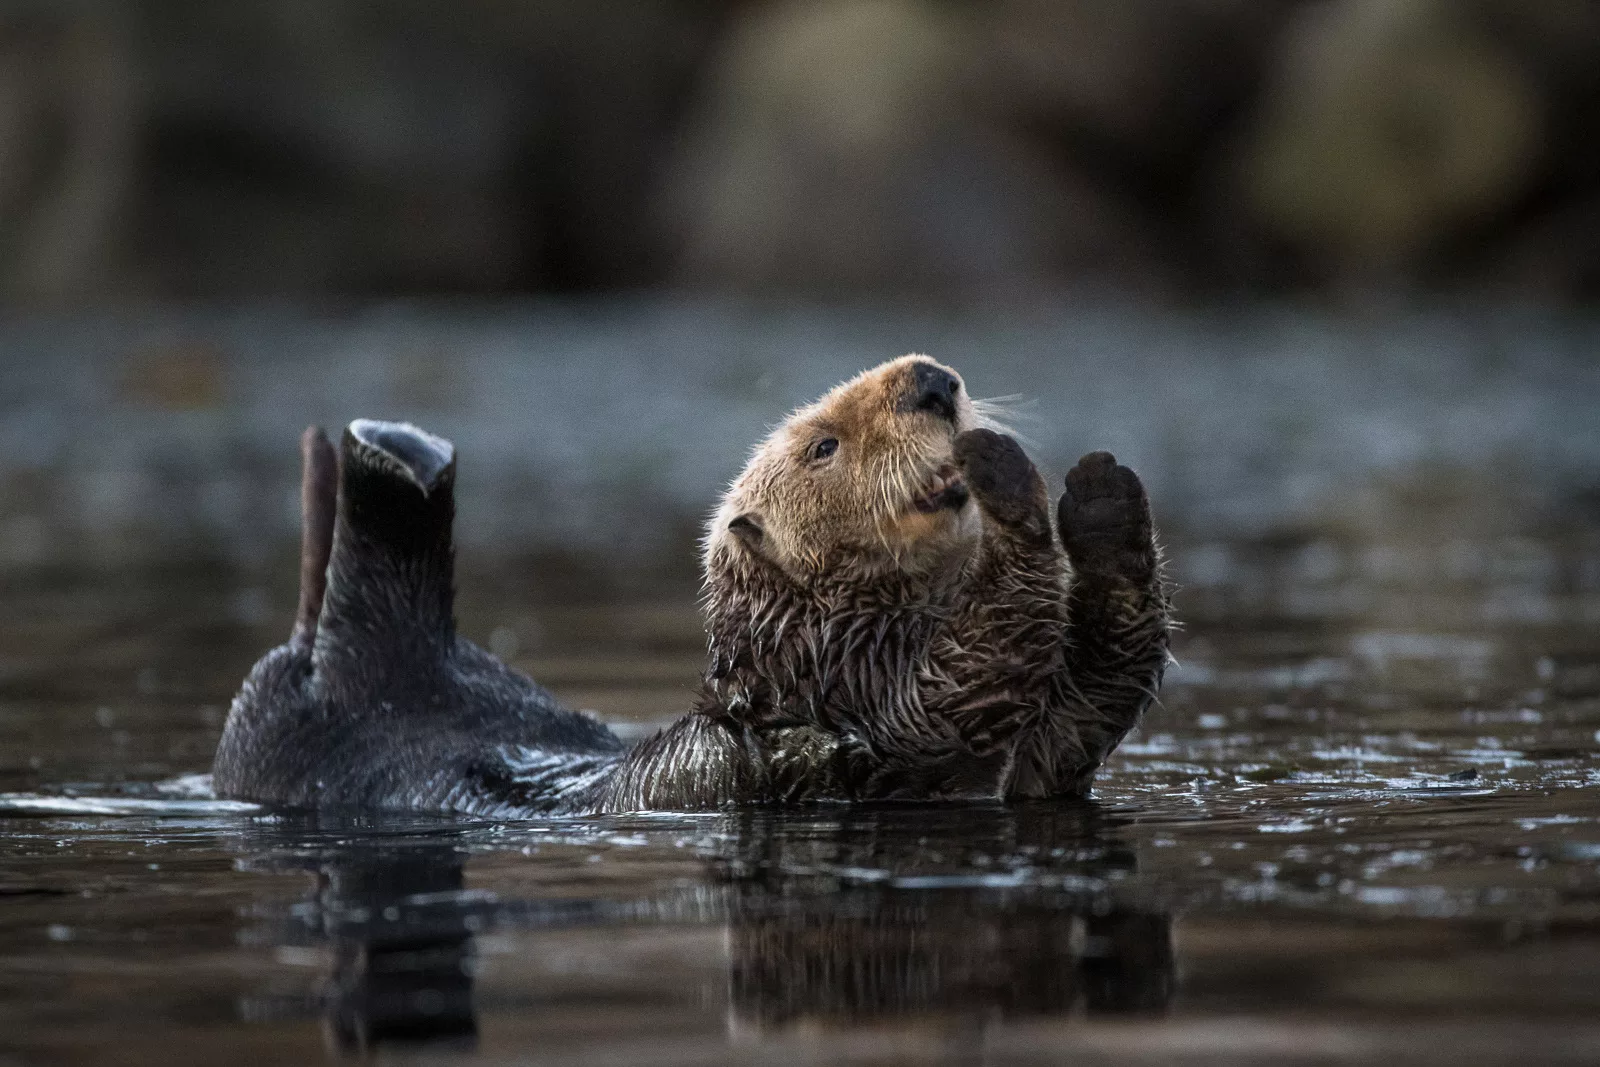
(387, 617)
(404, 450)
(319, 489)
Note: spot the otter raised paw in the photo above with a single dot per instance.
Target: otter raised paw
(1005, 481)
(1117, 601)
(1104, 517)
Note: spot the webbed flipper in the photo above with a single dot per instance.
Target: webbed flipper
(319, 490)
(388, 614)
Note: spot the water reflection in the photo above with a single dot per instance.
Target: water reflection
(1369, 799)
(970, 915)
(877, 954)
(402, 970)
(399, 928)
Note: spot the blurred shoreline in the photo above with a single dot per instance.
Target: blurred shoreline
(608, 428)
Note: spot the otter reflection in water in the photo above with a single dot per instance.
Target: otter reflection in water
(891, 615)
(974, 913)
(970, 915)
(400, 931)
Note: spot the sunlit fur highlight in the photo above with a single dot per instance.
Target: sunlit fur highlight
(855, 510)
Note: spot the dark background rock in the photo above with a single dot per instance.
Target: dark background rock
(181, 150)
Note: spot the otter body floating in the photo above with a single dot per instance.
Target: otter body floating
(374, 702)
(890, 614)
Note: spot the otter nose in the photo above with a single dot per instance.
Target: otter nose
(934, 389)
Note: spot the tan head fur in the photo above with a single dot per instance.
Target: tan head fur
(859, 484)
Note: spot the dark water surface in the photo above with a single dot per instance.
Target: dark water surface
(1364, 827)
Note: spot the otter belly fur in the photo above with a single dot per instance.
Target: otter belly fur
(891, 615)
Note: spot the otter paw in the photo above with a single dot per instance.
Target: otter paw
(1104, 518)
(1004, 480)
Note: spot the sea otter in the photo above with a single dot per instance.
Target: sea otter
(889, 611)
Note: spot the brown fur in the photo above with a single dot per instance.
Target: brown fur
(863, 648)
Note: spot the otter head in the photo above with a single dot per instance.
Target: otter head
(860, 484)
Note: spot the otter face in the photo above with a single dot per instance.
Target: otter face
(862, 479)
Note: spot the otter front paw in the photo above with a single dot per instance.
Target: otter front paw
(1104, 517)
(1004, 481)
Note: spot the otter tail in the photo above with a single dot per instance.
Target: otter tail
(386, 619)
(319, 488)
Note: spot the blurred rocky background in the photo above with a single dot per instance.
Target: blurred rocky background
(946, 149)
(1321, 269)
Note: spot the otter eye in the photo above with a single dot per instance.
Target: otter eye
(824, 448)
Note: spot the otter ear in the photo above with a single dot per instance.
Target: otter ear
(746, 526)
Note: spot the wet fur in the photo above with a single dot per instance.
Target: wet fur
(377, 704)
(848, 665)
(859, 648)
